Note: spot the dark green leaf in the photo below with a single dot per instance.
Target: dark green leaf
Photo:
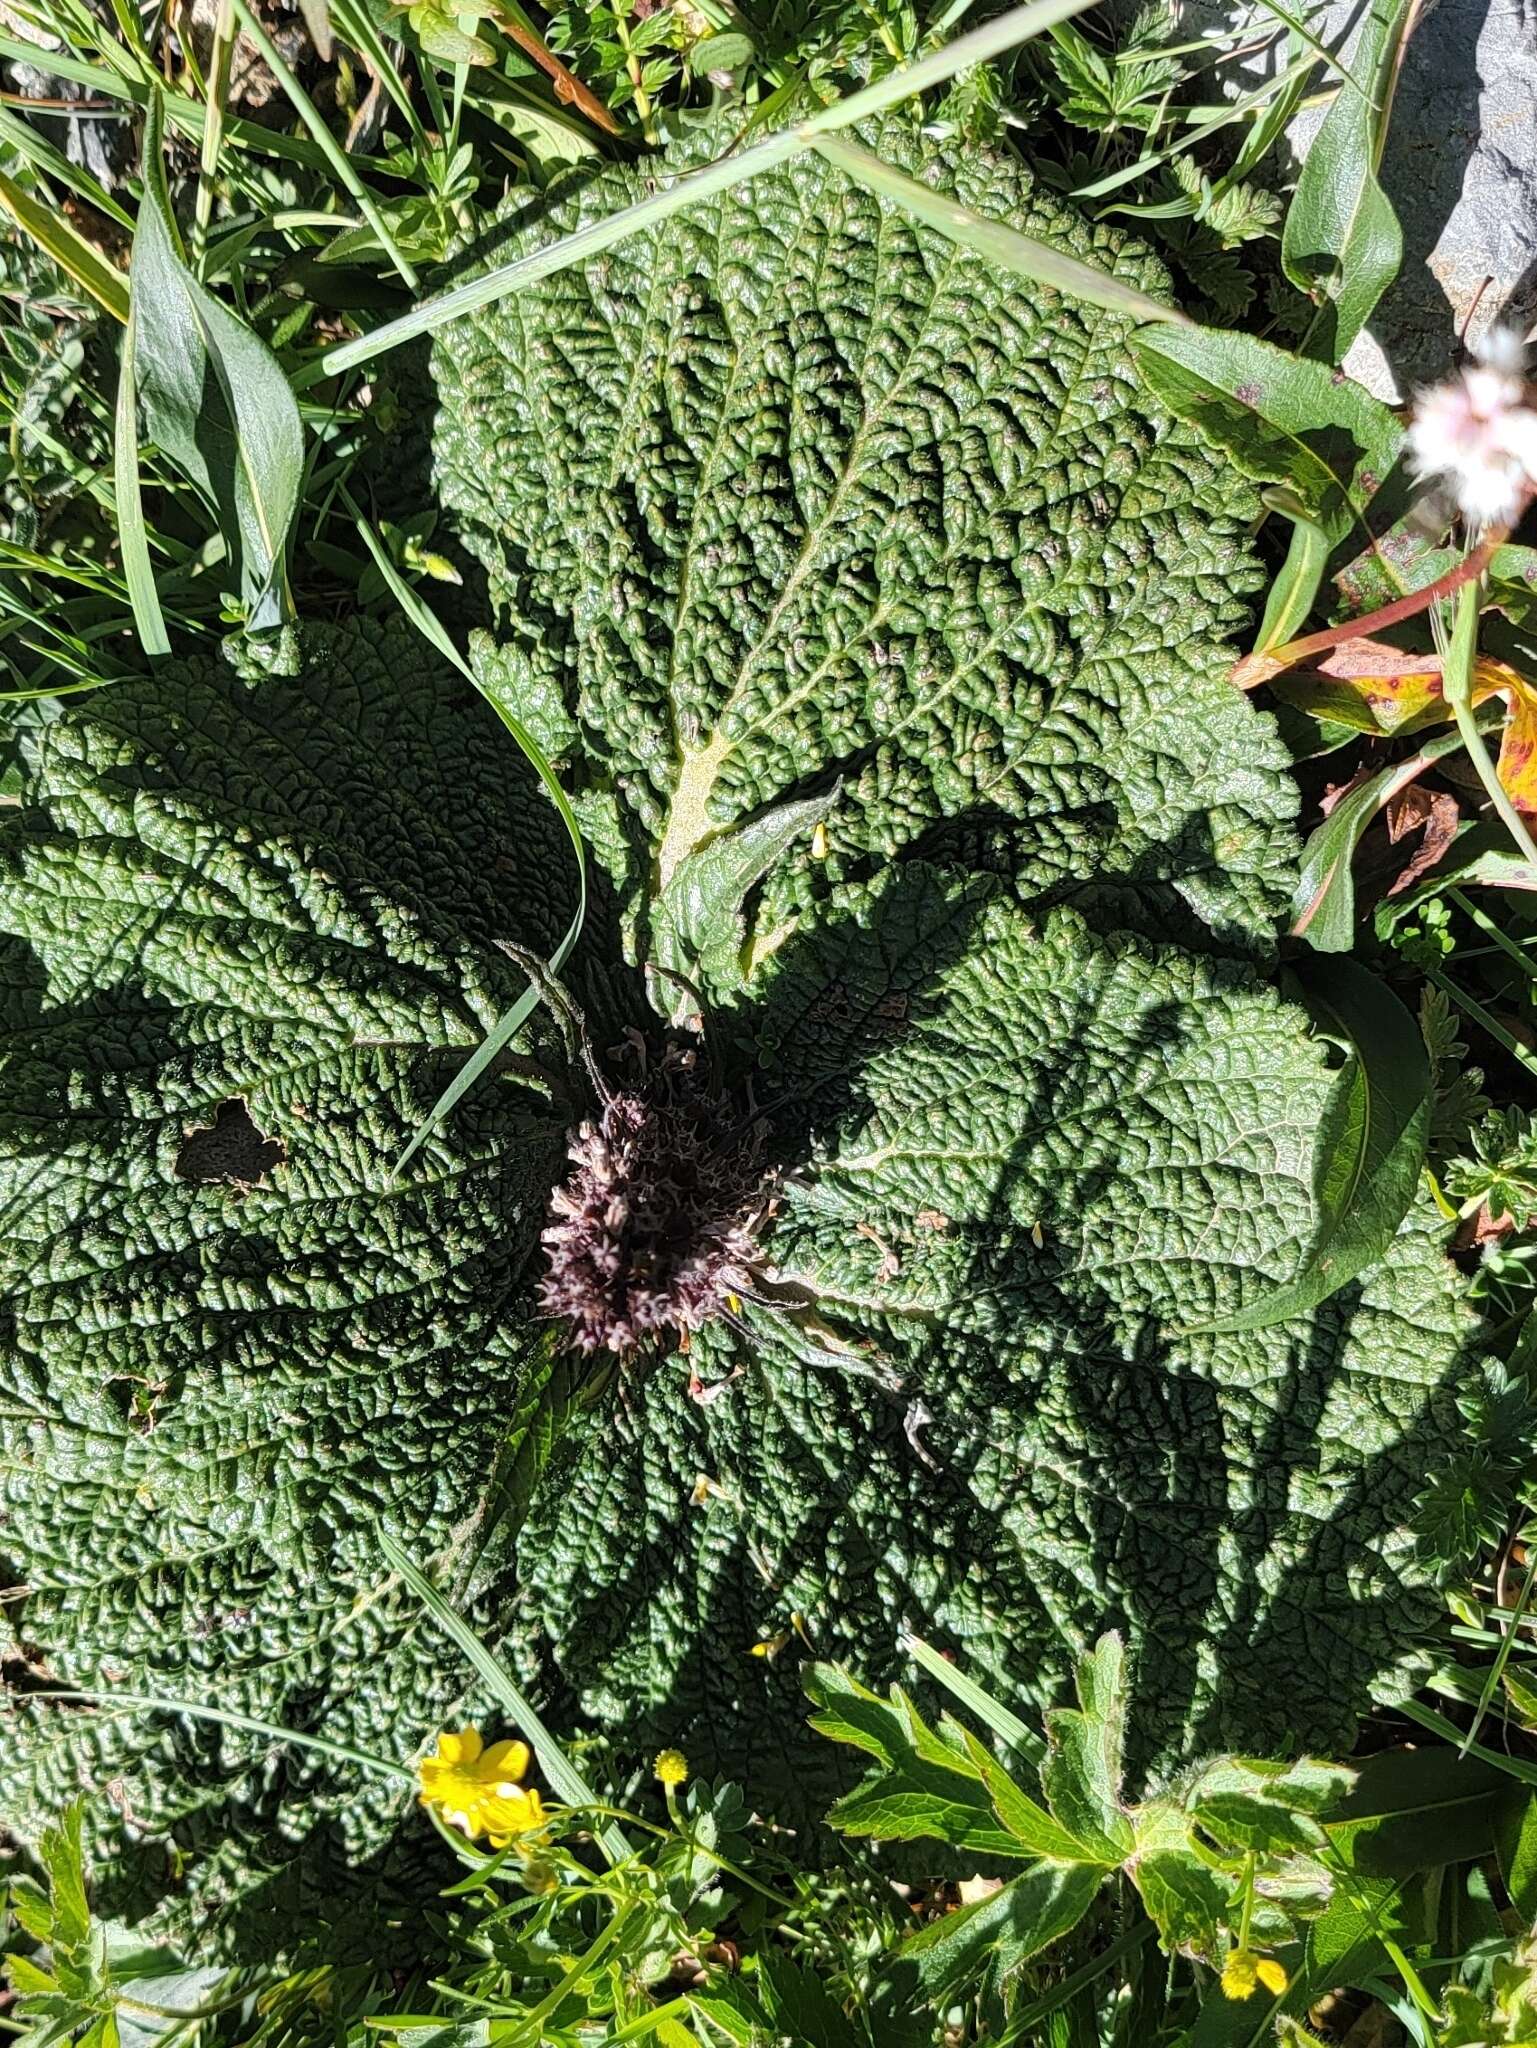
(1342, 242)
(1515, 1845)
(1283, 419)
(215, 400)
(1372, 1143)
(1417, 1809)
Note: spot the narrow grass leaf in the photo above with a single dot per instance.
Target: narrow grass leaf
(53, 163)
(215, 400)
(52, 233)
(981, 45)
(1295, 590)
(563, 1776)
(157, 1703)
(1501, 1656)
(1000, 244)
(992, 1713)
(132, 535)
(506, 1027)
(1324, 903)
(1371, 1141)
(1341, 241)
(324, 140)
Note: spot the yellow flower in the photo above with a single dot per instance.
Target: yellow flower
(671, 1767)
(476, 1789)
(1244, 1972)
(1240, 1975)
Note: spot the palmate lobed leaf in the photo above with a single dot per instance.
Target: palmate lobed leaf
(969, 597)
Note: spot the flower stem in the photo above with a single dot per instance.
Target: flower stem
(1457, 680)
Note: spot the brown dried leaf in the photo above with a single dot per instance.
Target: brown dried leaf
(1432, 812)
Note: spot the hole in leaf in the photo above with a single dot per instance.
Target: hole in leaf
(230, 1149)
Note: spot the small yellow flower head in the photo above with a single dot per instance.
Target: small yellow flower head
(476, 1789)
(1240, 1975)
(671, 1767)
(1271, 1975)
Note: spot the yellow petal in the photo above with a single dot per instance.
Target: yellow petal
(1271, 1975)
(503, 1760)
(1239, 1975)
(462, 1748)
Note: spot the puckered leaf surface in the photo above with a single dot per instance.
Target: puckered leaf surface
(248, 933)
(803, 525)
(1033, 1157)
(792, 489)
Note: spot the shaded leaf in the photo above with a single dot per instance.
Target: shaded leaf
(1372, 1144)
(1417, 1809)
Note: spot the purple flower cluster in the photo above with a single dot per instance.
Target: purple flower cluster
(653, 1226)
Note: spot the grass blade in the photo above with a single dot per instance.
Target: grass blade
(1502, 1655)
(1003, 246)
(992, 1713)
(53, 163)
(52, 233)
(133, 539)
(334, 154)
(430, 627)
(982, 44)
(154, 1703)
(564, 1778)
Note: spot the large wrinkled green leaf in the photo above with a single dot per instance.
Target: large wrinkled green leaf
(1031, 1156)
(244, 941)
(793, 503)
(1370, 1144)
(791, 490)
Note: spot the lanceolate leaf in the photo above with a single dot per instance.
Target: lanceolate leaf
(1371, 1144)
(1324, 908)
(1342, 242)
(215, 400)
(1282, 418)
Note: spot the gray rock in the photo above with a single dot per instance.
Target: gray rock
(1460, 169)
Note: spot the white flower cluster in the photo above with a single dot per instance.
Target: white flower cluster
(1476, 434)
